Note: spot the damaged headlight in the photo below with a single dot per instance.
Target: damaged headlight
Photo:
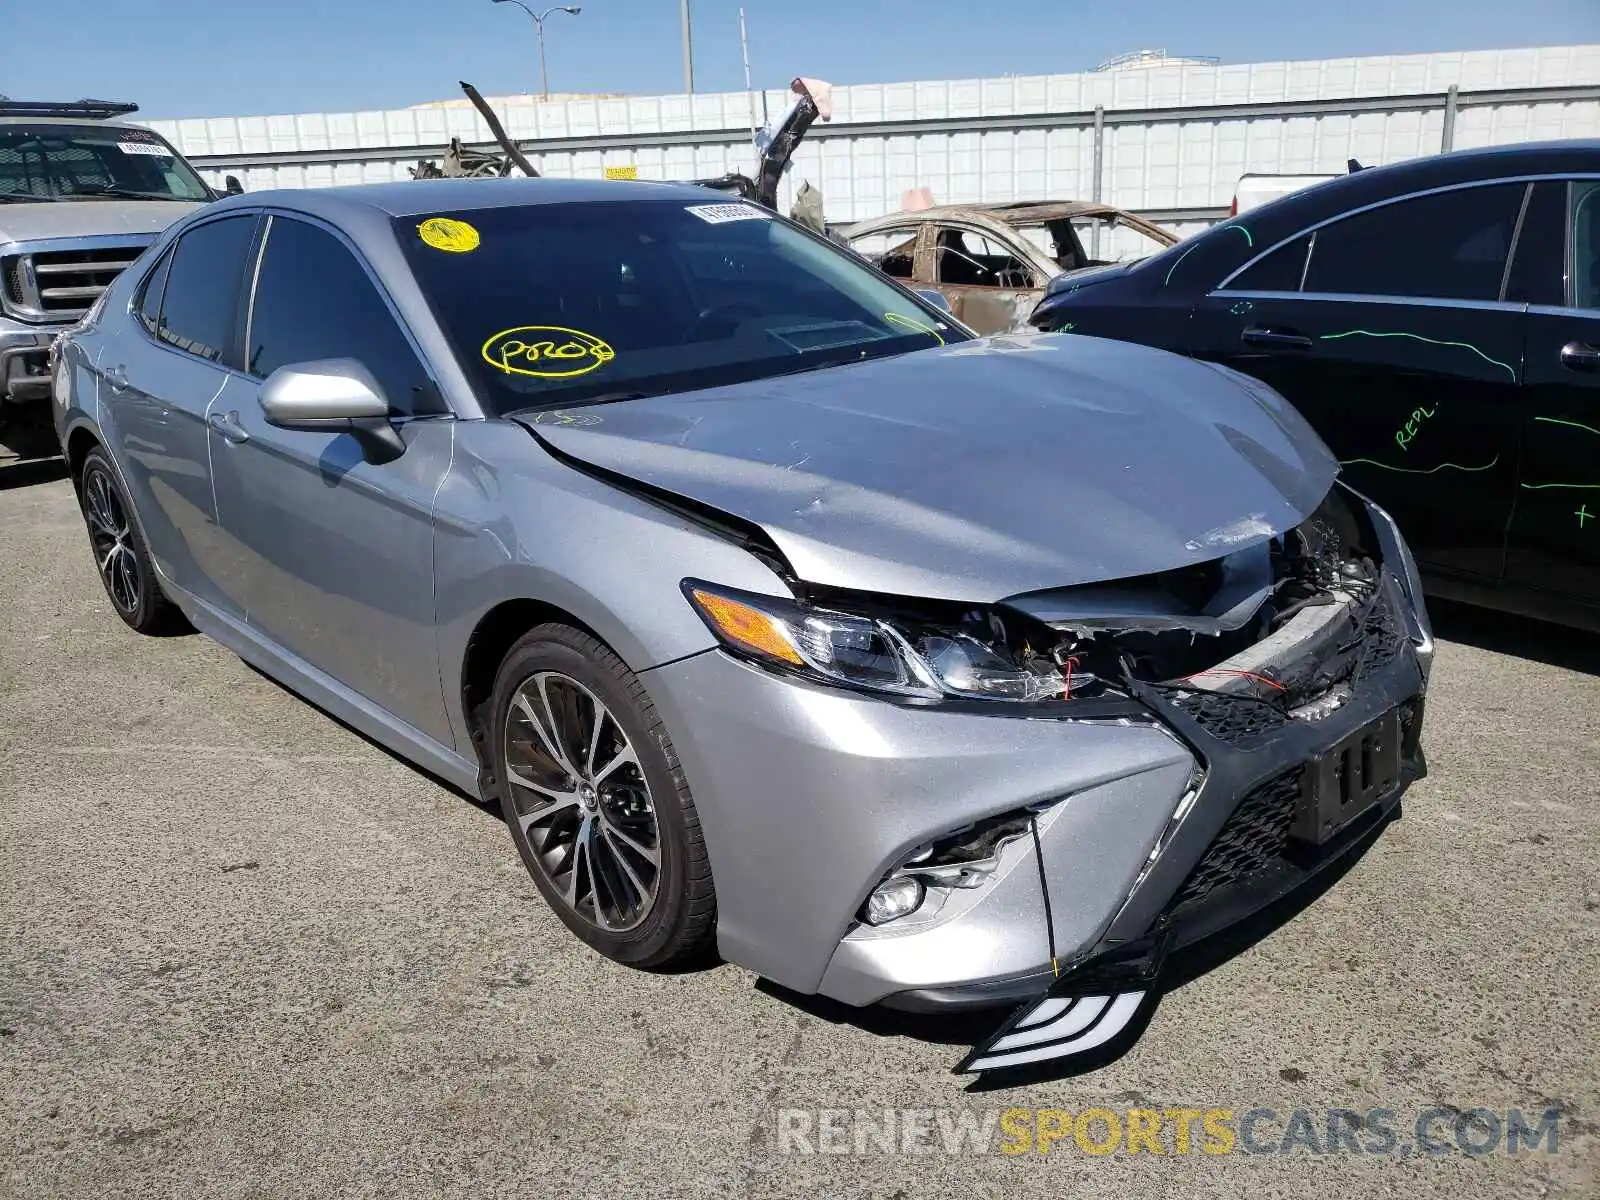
(876, 654)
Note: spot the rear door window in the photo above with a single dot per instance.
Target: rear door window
(1449, 245)
(314, 300)
(1537, 263)
(892, 251)
(201, 303)
(1586, 244)
(150, 294)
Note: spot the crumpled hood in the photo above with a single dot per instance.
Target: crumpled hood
(980, 470)
(24, 222)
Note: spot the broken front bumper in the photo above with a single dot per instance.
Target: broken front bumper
(1273, 787)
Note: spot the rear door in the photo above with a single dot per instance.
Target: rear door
(1555, 533)
(159, 380)
(334, 554)
(1389, 330)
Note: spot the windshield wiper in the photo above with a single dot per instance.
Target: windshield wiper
(97, 189)
(25, 197)
(585, 402)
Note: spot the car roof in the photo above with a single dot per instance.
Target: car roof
(1373, 184)
(73, 122)
(424, 196)
(1014, 212)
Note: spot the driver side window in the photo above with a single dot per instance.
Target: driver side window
(314, 300)
(968, 259)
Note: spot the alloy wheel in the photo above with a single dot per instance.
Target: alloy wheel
(112, 539)
(581, 801)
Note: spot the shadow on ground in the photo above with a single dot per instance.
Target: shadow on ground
(1521, 637)
(27, 474)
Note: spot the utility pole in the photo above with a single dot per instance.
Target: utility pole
(749, 94)
(688, 48)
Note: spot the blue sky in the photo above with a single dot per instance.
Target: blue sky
(180, 58)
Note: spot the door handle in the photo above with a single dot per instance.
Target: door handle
(1580, 356)
(227, 424)
(117, 377)
(1275, 339)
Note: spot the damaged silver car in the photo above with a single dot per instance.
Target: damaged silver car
(779, 614)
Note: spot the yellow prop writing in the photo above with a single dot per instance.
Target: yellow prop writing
(905, 322)
(546, 351)
(448, 234)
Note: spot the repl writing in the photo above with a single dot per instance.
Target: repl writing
(1407, 433)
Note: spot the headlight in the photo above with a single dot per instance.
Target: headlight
(928, 662)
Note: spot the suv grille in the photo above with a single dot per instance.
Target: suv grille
(63, 284)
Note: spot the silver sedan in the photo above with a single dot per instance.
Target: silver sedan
(781, 616)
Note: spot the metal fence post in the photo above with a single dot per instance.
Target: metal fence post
(1099, 162)
(1447, 139)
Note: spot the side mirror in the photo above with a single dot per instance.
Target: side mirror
(937, 299)
(232, 186)
(332, 395)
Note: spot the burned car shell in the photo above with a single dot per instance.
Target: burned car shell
(1005, 305)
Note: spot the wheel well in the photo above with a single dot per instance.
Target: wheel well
(79, 443)
(491, 641)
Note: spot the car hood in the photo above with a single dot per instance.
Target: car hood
(976, 471)
(26, 222)
(1082, 277)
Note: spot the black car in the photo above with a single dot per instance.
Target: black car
(1438, 322)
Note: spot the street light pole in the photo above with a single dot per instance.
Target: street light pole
(538, 25)
(688, 48)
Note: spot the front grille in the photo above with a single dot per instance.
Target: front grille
(1236, 718)
(69, 281)
(1384, 636)
(62, 284)
(1253, 840)
(1231, 718)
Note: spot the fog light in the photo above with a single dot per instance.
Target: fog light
(892, 899)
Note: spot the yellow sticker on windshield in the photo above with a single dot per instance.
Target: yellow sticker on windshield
(446, 233)
(906, 322)
(546, 351)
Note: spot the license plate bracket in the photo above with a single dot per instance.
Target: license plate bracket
(1348, 778)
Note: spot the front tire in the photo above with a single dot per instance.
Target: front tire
(596, 801)
(126, 569)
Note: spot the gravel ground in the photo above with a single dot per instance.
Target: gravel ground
(245, 952)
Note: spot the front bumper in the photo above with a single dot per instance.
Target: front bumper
(25, 361)
(809, 796)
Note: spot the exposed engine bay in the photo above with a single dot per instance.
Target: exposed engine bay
(1283, 625)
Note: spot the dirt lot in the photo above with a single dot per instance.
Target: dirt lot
(244, 952)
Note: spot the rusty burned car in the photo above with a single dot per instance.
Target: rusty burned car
(992, 262)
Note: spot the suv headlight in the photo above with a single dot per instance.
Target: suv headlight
(928, 662)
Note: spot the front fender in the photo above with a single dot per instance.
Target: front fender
(513, 523)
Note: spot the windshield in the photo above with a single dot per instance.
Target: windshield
(549, 305)
(70, 162)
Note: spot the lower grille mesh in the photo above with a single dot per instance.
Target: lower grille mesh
(1253, 840)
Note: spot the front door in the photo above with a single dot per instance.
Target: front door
(159, 385)
(335, 553)
(1388, 330)
(990, 289)
(1555, 535)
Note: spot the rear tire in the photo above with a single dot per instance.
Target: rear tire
(596, 802)
(123, 561)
